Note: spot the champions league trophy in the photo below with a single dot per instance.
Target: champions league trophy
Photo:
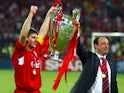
(61, 31)
(63, 35)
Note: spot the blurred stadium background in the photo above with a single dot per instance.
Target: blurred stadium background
(96, 16)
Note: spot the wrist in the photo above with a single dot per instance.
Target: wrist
(32, 12)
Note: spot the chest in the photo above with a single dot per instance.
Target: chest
(29, 59)
(32, 59)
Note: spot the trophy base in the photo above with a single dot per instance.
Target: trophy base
(54, 56)
(59, 60)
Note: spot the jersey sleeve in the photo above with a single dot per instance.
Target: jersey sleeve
(19, 47)
(18, 53)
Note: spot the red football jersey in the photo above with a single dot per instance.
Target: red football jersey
(27, 67)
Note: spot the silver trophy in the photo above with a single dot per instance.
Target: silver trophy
(65, 33)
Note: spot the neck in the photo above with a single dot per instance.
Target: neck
(29, 48)
(100, 55)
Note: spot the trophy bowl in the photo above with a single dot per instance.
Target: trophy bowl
(58, 41)
(66, 32)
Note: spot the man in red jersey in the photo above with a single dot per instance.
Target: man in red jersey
(26, 55)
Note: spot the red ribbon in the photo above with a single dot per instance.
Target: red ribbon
(58, 19)
(57, 2)
(70, 56)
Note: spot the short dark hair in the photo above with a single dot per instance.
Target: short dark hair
(31, 31)
(97, 38)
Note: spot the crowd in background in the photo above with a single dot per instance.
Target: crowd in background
(96, 16)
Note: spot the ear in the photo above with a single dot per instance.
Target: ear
(27, 39)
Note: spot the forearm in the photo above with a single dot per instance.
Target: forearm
(45, 26)
(27, 24)
(81, 52)
(25, 28)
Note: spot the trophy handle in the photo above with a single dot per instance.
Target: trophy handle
(52, 33)
(53, 26)
(76, 14)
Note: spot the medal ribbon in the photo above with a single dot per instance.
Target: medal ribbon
(105, 82)
(103, 66)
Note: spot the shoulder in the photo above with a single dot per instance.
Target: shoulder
(19, 48)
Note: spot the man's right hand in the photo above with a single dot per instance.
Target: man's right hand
(33, 9)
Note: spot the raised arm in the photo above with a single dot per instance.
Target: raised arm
(45, 26)
(27, 24)
(81, 51)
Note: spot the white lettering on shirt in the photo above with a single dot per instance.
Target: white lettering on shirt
(21, 61)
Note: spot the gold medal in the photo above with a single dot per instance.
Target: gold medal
(103, 75)
(34, 72)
